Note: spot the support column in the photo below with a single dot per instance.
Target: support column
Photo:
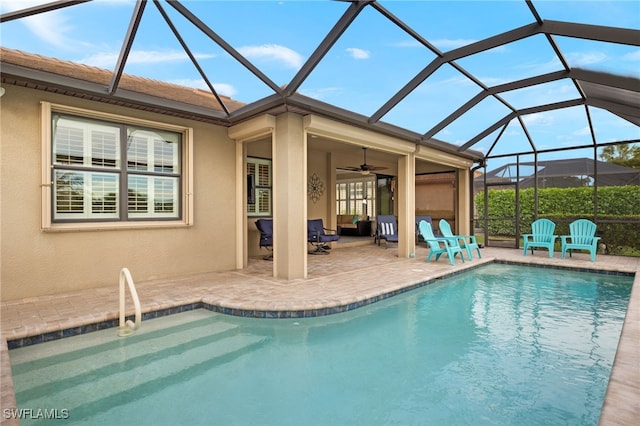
(242, 251)
(464, 213)
(332, 209)
(289, 150)
(406, 205)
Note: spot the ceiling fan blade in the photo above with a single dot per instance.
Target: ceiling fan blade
(364, 167)
(350, 169)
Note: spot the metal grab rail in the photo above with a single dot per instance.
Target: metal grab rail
(127, 327)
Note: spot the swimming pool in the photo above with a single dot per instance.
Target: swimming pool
(503, 344)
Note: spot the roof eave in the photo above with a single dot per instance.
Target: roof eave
(355, 119)
(43, 80)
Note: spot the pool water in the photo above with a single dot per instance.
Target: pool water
(499, 345)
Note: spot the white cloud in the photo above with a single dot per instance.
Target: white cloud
(578, 59)
(100, 60)
(492, 80)
(582, 132)
(137, 57)
(273, 52)
(357, 53)
(19, 5)
(513, 129)
(442, 85)
(322, 93)
(50, 27)
(53, 27)
(225, 89)
(553, 64)
(222, 88)
(632, 56)
(538, 119)
(563, 88)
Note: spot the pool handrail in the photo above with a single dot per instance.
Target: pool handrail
(127, 327)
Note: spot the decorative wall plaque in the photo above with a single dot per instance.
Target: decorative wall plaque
(315, 188)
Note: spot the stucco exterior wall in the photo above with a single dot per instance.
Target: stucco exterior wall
(34, 262)
(318, 165)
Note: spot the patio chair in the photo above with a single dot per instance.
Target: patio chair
(265, 226)
(541, 236)
(439, 245)
(468, 241)
(419, 219)
(386, 229)
(582, 237)
(318, 237)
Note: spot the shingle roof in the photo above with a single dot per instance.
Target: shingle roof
(102, 77)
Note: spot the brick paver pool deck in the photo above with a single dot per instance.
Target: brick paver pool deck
(345, 279)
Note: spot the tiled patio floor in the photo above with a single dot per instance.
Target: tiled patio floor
(347, 276)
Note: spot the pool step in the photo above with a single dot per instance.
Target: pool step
(121, 374)
(65, 365)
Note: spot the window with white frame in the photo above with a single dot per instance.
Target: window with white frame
(260, 197)
(111, 171)
(356, 197)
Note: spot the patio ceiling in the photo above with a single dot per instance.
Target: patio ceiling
(412, 105)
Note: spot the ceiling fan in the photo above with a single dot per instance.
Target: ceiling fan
(364, 168)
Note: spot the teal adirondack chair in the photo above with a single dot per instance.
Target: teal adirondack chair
(437, 246)
(468, 241)
(582, 237)
(541, 236)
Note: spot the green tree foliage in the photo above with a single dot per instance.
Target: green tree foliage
(626, 155)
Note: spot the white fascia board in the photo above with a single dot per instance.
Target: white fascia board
(347, 133)
(252, 129)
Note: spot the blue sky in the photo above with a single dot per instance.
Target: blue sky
(372, 60)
